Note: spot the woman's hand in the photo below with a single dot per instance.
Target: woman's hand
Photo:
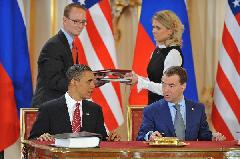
(133, 78)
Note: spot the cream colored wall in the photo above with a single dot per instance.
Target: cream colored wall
(206, 22)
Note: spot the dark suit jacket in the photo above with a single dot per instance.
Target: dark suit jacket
(157, 117)
(53, 118)
(54, 60)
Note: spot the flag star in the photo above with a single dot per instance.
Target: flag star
(82, 2)
(236, 3)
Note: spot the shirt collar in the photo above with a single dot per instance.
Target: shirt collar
(70, 101)
(161, 46)
(181, 103)
(69, 38)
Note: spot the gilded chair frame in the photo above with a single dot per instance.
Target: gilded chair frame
(130, 121)
(23, 112)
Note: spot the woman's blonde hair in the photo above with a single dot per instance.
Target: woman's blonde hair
(171, 21)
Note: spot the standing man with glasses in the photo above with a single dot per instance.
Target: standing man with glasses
(176, 116)
(58, 54)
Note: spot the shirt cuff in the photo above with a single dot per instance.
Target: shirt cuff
(147, 136)
(142, 83)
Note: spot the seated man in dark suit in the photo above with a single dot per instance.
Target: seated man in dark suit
(72, 112)
(176, 116)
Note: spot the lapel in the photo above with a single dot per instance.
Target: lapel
(168, 118)
(65, 119)
(68, 51)
(86, 116)
(189, 117)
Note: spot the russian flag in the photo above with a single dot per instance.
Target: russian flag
(15, 73)
(145, 45)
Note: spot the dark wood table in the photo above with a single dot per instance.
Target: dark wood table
(134, 149)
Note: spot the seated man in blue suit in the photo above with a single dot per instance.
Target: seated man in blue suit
(176, 116)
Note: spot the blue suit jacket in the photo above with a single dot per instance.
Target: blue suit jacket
(157, 117)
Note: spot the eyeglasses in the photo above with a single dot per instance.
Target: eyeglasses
(78, 22)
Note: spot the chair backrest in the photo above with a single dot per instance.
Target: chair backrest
(134, 121)
(27, 118)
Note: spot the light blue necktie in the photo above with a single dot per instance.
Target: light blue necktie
(179, 124)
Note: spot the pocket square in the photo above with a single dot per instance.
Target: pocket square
(87, 114)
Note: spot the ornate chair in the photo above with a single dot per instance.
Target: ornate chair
(134, 120)
(27, 119)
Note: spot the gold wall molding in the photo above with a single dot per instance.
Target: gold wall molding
(118, 7)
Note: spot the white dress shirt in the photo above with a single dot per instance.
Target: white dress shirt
(71, 105)
(172, 59)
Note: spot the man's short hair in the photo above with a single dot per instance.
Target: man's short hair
(75, 72)
(177, 70)
(68, 8)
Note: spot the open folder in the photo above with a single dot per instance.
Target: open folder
(112, 75)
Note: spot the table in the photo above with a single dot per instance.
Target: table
(135, 150)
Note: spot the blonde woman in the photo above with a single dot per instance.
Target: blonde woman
(167, 30)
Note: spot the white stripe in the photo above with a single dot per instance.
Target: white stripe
(90, 53)
(21, 7)
(108, 91)
(233, 26)
(113, 102)
(226, 111)
(230, 70)
(104, 31)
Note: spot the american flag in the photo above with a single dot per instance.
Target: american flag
(226, 104)
(99, 50)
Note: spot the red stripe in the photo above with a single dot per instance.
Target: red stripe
(231, 48)
(136, 98)
(219, 124)
(106, 9)
(98, 45)
(109, 118)
(143, 50)
(8, 118)
(238, 18)
(228, 92)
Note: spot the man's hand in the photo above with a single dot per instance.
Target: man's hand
(46, 137)
(217, 136)
(113, 136)
(154, 135)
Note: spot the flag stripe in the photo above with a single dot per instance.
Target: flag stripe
(9, 119)
(226, 100)
(225, 111)
(233, 26)
(104, 33)
(105, 7)
(220, 127)
(98, 45)
(15, 73)
(140, 68)
(232, 75)
(228, 92)
(97, 95)
(95, 63)
(231, 48)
